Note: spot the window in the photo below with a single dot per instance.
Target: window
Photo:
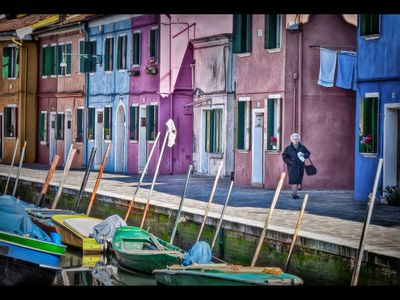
(121, 53)
(241, 33)
(43, 127)
(243, 131)
(108, 123)
(368, 126)
(136, 40)
(64, 55)
(213, 141)
(134, 123)
(153, 44)
(108, 54)
(91, 116)
(369, 24)
(49, 61)
(272, 35)
(87, 62)
(151, 122)
(274, 124)
(60, 126)
(79, 125)
(10, 62)
(10, 121)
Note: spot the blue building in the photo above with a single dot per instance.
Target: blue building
(107, 93)
(378, 103)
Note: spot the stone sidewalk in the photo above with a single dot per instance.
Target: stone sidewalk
(331, 216)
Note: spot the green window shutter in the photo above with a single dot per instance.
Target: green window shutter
(248, 34)
(152, 43)
(218, 130)
(212, 131)
(59, 59)
(375, 24)
(156, 43)
(93, 52)
(119, 53)
(106, 55)
(241, 124)
(237, 34)
(151, 122)
(6, 62)
(88, 59)
(108, 123)
(374, 124)
(132, 123)
(369, 125)
(91, 116)
(363, 25)
(41, 127)
(270, 122)
(16, 62)
(369, 24)
(81, 58)
(68, 58)
(47, 61)
(136, 48)
(207, 131)
(79, 125)
(53, 55)
(43, 61)
(270, 41)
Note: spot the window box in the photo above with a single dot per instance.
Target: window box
(151, 70)
(134, 72)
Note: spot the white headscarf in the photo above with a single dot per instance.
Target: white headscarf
(293, 136)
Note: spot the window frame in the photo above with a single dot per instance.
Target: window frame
(82, 127)
(134, 127)
(278, 34)
(91, 109)
(109, 123)
(277, 123)
(139, 50)
(14, 64)
(213, 137)
(157, 44)
(245, 43)
(58, 138)
(246, 124)
(371, 36)
(6, 127)
(151, 134)
(109, 68)
(43, 141)
(361, 125)
(120, 57)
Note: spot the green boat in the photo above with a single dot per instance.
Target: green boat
(224, 275)
(139, 250)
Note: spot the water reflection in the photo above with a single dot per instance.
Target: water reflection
(97, 270)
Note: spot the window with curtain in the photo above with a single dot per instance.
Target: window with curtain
(368, 126)
(151, 122)
(121, 52)
(243, 129)
(90, 125)
(10, 62)
(241, 34)
(108, 123)
(43, 127)
(272, 32)
(10, 122)
(134, 123)
(79, 125)
(213, 142)
(274, 124)
(369, 24)
(60, 126)
(136, 40)
(108, 54)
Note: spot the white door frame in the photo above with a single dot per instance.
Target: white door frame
(253, 152)
(2, 135)
(52, 136)
(204, 156)
(142, 142)
(389, 144)
(99, 150)
(67, 138)
(117, 142)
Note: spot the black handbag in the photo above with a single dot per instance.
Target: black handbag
(310, 169)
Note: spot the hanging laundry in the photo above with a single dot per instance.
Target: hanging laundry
(345, 70)
(355, 74)
(327, 67)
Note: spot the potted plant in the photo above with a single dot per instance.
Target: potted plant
(151, 67)
(90, 134)
(273, 140)
(107, 133)
(367, 141)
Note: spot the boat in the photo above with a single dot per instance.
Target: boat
(224, 275)
(42, 217)
(22, 240)
(139, 250)
(76, 230)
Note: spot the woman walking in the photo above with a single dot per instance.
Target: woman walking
(294, 156)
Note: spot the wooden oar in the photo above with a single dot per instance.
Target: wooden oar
(181, 205)
(68, 163)
(271, 210)
(210, 199)
(296, 231)
(356, 272)
(21, 160)
(223, 211)
(85, 179)
(11, 166)
(96, 186)
(154, 178)
(142, 176)
(47, 181)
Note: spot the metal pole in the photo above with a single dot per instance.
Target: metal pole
(154, 179)
(85, 179)
(47, 181)
(211, 199)
(271, 210)
(223, 211)
(142, 177)
(21, 160)
(356, 272)
(181, 205)
(296, 231)
(71, 155)
(96, 185)
(11, 166)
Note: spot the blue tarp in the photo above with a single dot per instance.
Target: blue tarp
(14, 219)
(200, 253)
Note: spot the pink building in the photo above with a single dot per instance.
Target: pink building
(277, 94)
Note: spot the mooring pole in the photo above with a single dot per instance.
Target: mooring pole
(21, 160)
(85, 179)
(48, 179)
(11, 166)
(356, 273)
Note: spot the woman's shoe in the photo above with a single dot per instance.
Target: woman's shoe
(295, 196)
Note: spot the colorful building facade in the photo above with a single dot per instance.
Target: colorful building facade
(377, 132)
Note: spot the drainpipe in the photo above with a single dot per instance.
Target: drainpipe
(300, 83)
(83, 26)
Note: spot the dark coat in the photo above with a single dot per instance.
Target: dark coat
(295, 165)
